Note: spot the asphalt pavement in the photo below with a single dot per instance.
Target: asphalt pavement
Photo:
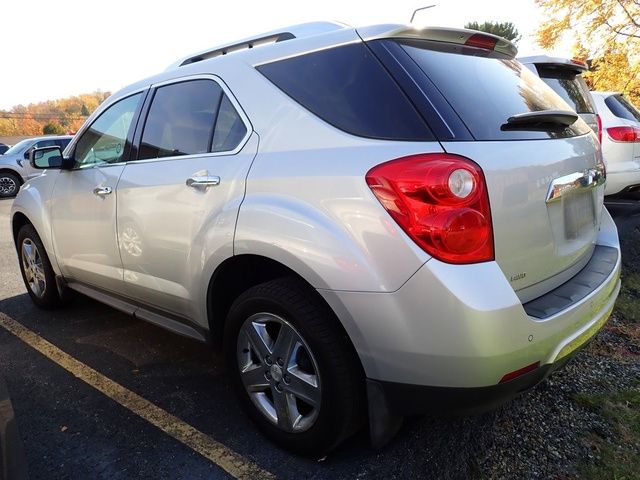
(71, 430)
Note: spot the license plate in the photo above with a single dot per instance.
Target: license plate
(579, 214)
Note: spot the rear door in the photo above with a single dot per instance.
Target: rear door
(545, 223)
(178, 201)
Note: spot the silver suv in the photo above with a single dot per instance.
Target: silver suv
(15, 168)
(372, 222)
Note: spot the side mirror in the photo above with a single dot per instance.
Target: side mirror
(26, 154)
(47, 157)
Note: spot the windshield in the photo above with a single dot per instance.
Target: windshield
(485, 89)
(571, 87)
(19, 147)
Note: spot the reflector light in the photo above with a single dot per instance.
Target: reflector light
(518, 373)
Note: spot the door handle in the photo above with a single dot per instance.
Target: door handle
(203, 181)
(102, 191)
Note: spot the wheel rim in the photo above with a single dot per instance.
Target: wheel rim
(7, 186)
(33, 269)
(279, 372)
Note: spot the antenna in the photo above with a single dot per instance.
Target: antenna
(418, 9)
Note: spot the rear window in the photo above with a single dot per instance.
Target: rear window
(570, 86)
(622, 108)
(486, 88)
(348, 87)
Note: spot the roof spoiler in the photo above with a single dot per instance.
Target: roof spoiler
(471, 38)
(275, 36)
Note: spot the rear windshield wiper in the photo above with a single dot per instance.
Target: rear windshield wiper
(542, 120)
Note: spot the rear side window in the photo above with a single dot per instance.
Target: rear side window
(348, 87)
(570, 86)
(181, 119)
(230, 129)
(485, 88)
(622, 108)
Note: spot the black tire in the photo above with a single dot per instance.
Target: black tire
(9, 184)
(342, 409)
(48, 297)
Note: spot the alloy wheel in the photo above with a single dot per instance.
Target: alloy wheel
(8, 186)
(33, 268)
(279, 372)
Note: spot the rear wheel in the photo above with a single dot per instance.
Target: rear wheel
(293, 367)
(37, 273)
(9, 184)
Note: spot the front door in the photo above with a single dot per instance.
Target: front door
(83, 206)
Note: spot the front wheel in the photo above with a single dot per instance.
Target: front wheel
(9, 184)
(37, 273)
(293, 367)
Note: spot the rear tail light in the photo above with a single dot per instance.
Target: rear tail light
(599, 123)
(624, 134)
(441, 202)
(479, 40)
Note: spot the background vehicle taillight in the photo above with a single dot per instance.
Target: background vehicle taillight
(624, 134)
(441, 202)
(599, 123)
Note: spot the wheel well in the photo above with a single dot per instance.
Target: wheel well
(8, 170)
(236, 275)
(19, 221)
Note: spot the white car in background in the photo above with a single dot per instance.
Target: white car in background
(620, 123)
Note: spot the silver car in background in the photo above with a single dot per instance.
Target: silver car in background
(620, 121)
(15, 168)
(373, 222)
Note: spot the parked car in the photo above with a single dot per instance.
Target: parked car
(564, 76)
(620, 141)
(15, 168)
(372, 222)
(4, 148)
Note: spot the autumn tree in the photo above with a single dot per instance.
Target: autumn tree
(53, 128)
(503, 29)
(605, 31)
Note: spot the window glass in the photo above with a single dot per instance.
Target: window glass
(45, 143)
(106, 139)
(486, 88)
(348, 87)
(19, 147)
(181, 119)
(571, 87)
(63, 142)
(230, 129)
(622, 108)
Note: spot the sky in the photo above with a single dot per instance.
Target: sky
(52, 50)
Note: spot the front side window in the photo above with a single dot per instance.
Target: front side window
(181, 119)
(106, 139)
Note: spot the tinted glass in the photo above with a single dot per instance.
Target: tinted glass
(571, 87)
(63, 142)
(348, 88)
(19, 147)
(230, 129)
(181, 119)
(46, 143)
(106, 139)
(486, 88)
(622, 108)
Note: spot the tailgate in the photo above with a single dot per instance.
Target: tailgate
(540, 235)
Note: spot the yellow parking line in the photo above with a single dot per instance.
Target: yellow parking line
(225, 458)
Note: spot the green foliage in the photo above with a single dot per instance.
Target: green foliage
(621, 460)
(503, 29)
(52, 128)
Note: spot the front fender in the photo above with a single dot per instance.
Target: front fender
(32, 202)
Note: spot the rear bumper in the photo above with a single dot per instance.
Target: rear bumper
(463, 326)
(622, 177)
(405, 399)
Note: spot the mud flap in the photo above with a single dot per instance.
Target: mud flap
(383, 424)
